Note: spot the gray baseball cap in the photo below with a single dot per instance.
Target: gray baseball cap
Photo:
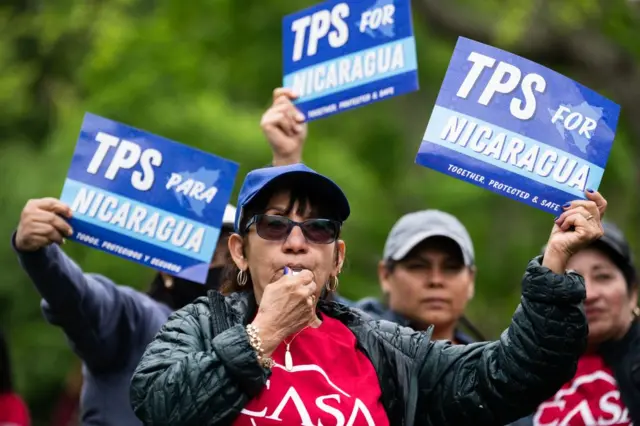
(413, 228)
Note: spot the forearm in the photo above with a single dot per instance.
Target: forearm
(270, 337)
(540, 350)
(89, 308)
(181, 381)
(555, 260)
(60, 282)
(499, 382)
(285, 160)
(624, 358)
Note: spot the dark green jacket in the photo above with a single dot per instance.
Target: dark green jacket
(200, 369)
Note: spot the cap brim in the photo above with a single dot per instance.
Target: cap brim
(604, 241)
(329, 189)
(420, 237)
(611, 245)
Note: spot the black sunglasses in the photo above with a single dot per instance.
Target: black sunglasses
(278, 228)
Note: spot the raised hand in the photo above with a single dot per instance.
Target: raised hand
(284, 127)
(42, 223)
(578, 226)
(287, 306)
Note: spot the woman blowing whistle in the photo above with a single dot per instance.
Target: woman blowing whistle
(272, 350)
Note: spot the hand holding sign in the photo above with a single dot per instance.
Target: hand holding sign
(146, 198)
(577, 227)
(340, 55)
(517, 128)
(583, 218)
(284, 127)
(42, 223)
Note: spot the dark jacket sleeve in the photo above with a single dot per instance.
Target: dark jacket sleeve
(499, 382)
(98, 317)
(185, 378)
(624, 358)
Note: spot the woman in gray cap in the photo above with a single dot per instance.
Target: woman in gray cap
(427, 275)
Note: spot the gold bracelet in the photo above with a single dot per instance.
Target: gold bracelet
(256, 343)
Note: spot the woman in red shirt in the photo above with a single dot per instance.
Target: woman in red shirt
(606, 387)
(13, 411)
(274, 351)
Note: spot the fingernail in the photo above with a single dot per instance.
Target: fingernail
(70, 232)
(300, 116)
(556, 219)
(590, 190)
(286, 270)
(64, 241)
(298, 128)
(566, 205)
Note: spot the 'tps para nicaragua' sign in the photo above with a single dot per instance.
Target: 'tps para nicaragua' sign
(507, 124)
(147, 198)
(339, 55)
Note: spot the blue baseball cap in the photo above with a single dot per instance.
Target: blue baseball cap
(259, 179)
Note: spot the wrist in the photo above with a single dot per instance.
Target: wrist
(19, 246)
(556, 259)
(17, 242)
(255, 342)
(287, 159)
(268, 335)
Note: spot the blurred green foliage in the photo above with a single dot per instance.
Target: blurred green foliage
(201, 72)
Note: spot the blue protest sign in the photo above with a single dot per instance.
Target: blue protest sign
(510, 125)
(146, 198)
(339, 55)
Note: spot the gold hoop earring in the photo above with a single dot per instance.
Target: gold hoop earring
(636, 312)
(332, 284)
(242, 278)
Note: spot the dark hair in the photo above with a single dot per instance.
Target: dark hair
(615, 246)
(183, 291)
(6, 379)
(624, 265)
(309, 203)
(160, 293)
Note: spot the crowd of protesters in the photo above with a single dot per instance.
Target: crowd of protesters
(571, 355)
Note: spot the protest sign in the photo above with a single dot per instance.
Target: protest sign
(146, 198)
(339, 55)
(510, 125)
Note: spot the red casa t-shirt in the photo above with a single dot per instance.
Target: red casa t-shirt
(590, 398)
(13, 411)
(331, 383)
